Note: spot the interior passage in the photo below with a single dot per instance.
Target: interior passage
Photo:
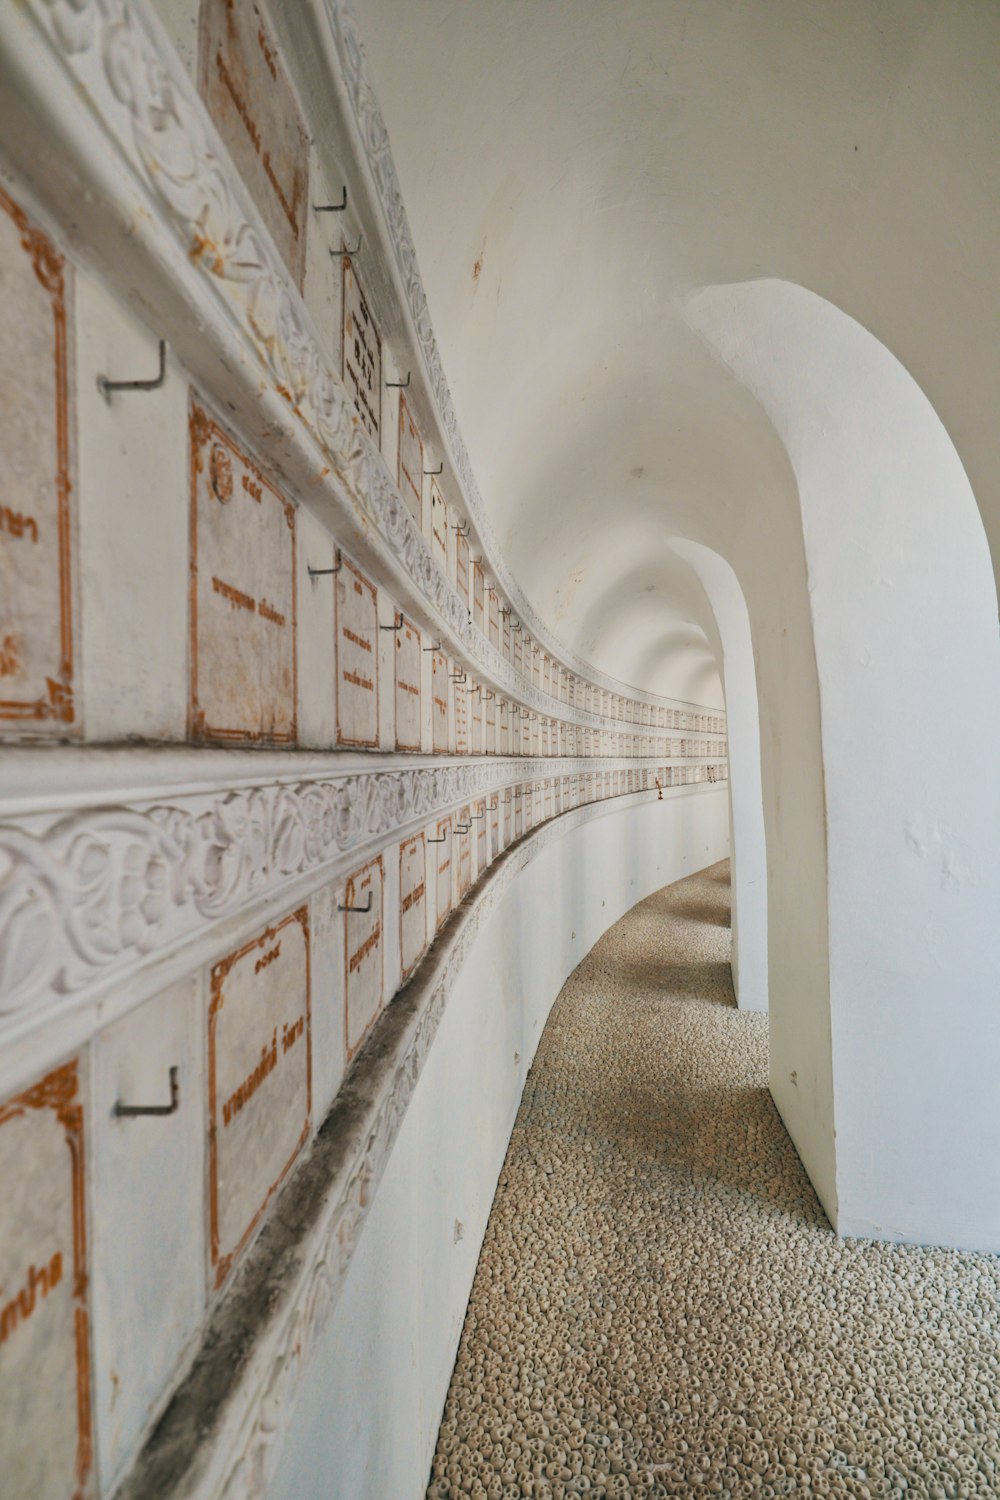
(661, 1307)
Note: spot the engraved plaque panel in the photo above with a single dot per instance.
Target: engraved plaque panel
(476, 720)
(439, 702)
(362, 354)
(250, 98)
(408, 659)
(45, 1435)
(518, 811)
(494, 609)
(494, 815)
(410, 472)
(412, 902)
(528, 806)
(36, 542)
(363, 953)
(461, 718)
(490, 724)
(508, 816)
(462, 568)
(478, 594)
(503, 728)
(518, 649)
(482, 837)
(442, 869)
(439, 526)
(357, 658)
(259, 1079)
(464, 855)
(243, 687)
(505, 645)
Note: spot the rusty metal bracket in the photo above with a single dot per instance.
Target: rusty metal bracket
(398, 385)
(440, 840)
(435, 647)
(463, 528)
(462, 827)
(433, 473)
(106, 386)
(357, 908)
(326, 572)
(457, 676)
(400, 622)
(332, 208)
(131, 1111)
(346, 250)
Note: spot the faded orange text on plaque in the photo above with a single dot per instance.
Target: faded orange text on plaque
(45, 1415)
(36, 540)
(259, 1079)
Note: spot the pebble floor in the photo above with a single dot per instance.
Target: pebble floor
(661, 1307)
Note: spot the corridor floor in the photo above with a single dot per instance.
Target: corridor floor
(660, 1306)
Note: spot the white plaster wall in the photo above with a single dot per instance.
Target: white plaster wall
(370, 1402)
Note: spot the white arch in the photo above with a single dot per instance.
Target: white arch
(904, 618)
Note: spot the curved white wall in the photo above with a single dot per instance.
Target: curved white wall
(370, 1400)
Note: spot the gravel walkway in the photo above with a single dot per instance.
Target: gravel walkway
(660, 1306)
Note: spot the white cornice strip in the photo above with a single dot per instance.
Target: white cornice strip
(90, 896)
(240, 1394)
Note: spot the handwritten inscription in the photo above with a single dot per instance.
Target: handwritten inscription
(461, 718)
(45, 1433)
(408, 666)
(363, 953)
(362, 353)
(250, 98)
(357, 657)
(410, 474)
(259, 1070)
(412, 902)
(439, 526)
(439, 702)
(464, 841)
(243, 686)
(36, 542)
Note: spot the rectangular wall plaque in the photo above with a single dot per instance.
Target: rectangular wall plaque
(250, 97)
(490, 724)
(478, 594)
(45, 1420)
(439, 526)
(494, 814)
(462, 568)
(439, 702)
(461, 718)
(242, 596)
(259, 1080)
(412, 902)
(482, 837)
(357, 657)
(464, 820)
(36, 533)
(362, 353)
(363, 952)
(442, 871)
(503, 728)
(494, 607)
(410, 471)
(408, 666)
(508, 816)
(476, 720)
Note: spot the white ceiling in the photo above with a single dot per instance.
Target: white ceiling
(575, 170)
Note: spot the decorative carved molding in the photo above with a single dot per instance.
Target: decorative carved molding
(116, 54)
(100, 891)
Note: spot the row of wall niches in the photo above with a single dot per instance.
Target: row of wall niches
(245, 1056)
(160, 585)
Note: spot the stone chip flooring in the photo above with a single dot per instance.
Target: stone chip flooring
(660, 1306)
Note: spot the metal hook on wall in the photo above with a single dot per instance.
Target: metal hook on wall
(462, 827)
(346, 250)
(476, 816)
(357, 908)
(398, 625)
(332, 208)
(106, 386)
(463, 528)
(433, 473)
(326, 572)
(130, 1111)
(457, 676)
(436, 647)
(440, 840)
(398, 385)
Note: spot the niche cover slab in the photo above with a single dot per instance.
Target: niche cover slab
(36, 603)
(412, 902)
(363, 953)
(45, 1425)
(250, 97)
(357, 658)
(259, 1080)
(408, 667)
(362, 353)
(243, 665)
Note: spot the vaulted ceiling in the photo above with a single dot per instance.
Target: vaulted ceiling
(576, 171)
